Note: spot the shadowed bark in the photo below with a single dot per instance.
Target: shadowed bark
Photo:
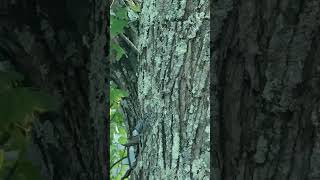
(60, 46)
(265, 76)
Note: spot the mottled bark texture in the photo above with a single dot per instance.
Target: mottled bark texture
(169, 83)
(266, 78)
(173, 88)
(60, 46)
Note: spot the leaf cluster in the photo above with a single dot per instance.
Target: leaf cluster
(19, 106)
(119, 21)
(118, 132)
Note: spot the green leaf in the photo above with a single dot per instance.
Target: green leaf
(124, 168)
(117, 129)
(17, 106)
(122, 140)
(135, 7)
(122, 13)
(119, 21)
(17, 103)
(43, 102)
(17, 141)
(117, 117)
(13, 107)
(112, 131)
(117, 94)
(117, 26)
(119, 51)
(123, 131)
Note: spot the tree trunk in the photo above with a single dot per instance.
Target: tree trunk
(173, 90)
(60, 46)
(266, 67)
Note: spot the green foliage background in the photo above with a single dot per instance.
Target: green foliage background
(19, 106)
(118, 23)
(118, 133)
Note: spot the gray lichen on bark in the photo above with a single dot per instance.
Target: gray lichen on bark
(173, 85)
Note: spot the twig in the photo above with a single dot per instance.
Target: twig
(129, 43)
(118, 161)
(132, 141)
(111, 3)
(127, 174)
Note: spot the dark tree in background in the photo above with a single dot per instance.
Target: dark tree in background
(266, 86)
(60, 46)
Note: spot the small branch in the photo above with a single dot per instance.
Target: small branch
(132, 141)
(111, 3)
(129, 43)
(127, 174)
(25, 130)
(118, 161)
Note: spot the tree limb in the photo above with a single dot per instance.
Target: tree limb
(129, 43)
(118, 161)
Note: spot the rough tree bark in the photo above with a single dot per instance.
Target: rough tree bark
(171, 85)
(265, 78)
(60, 46)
